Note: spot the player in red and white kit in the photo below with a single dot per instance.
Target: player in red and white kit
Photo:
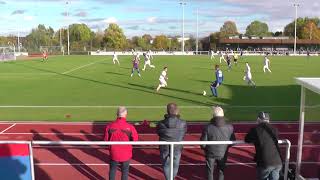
(44, 55)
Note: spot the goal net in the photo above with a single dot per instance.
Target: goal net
(7, 53)
(52, 50)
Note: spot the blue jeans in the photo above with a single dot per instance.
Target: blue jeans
(124, 170)
(269, 173)
(165, 158)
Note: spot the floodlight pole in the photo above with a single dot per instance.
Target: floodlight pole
(68, 32)
(197, 41)
(18, 41)
(182, 3)
(295, 29)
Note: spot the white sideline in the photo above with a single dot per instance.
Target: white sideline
(142, 107)
(8, 128)
(80, 67)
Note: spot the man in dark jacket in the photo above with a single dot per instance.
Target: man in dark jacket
(120, 130)
(265, 139)
(172, 128)
(217, 130)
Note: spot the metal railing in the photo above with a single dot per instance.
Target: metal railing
(150, 143)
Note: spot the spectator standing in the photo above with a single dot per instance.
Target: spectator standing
(265, 139)
(120, 130)
(217, 130)
(173, 129)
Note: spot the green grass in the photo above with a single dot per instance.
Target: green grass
(36, 83)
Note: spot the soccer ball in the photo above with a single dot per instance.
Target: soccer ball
(204, 93)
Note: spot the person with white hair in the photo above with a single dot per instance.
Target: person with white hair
(268, 156)
(120, 130)
(217, 130)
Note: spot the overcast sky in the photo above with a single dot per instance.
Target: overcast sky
(138, 17)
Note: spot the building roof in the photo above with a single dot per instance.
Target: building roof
(312, 84)
(269, 41)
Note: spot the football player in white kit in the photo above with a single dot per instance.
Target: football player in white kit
(163, 79)
(115, 58)
(248, 76)
(222, 57)
(266, 64)
(211, 54)
(147, 61)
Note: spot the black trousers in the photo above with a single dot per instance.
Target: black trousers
(221, 164)
(124, 170)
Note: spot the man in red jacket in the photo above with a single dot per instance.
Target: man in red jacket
(120, 130)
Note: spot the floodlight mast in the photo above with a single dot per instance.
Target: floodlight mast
(197, 41)
(182, 3)
(296, 5)
(68, 32)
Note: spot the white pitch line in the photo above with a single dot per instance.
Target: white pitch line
(80, 67)
(140, 107)
(8, 128)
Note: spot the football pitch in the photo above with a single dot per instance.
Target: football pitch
(89, 88)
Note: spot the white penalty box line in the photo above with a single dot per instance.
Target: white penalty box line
(81, 67)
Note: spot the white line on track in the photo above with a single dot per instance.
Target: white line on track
(156, 147)
(142, 134)
(104, 123)
(80, 67)
(8, 128)
(149, 164)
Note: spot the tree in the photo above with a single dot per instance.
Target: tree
(278, 34)
(97, 41)
(310, 31)
(257, 28)
(161, 42)
(301, 22)
(191, 44)
(114, 37)
(80, 33)
(41, 36)
(228, 29)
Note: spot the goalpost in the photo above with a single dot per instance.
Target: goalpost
(309, 112)
(7, 53)
(52, 50)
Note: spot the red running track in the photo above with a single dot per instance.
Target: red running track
(69, 162)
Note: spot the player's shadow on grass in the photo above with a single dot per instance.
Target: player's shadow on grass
(120, 86)
(64, 154)
(115, 73)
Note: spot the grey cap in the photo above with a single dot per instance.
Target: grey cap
(263, 116)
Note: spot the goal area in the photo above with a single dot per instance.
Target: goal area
(7, 53)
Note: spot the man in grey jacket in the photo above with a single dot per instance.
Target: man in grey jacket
(172, 128)
(217, 130)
